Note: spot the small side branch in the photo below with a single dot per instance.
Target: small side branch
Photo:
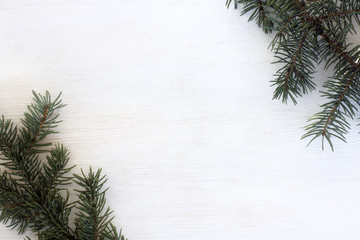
(294, 59)
(337, 103)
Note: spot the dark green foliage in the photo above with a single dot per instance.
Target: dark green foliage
(306, 34)
(33, 192)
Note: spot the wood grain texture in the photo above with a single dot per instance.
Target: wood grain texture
(172, 99)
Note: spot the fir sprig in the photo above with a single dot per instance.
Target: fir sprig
(92, 220)
(33, 193)
(308, 33)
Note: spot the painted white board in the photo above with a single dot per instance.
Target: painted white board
(173, 100)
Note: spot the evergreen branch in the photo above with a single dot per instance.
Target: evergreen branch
(92, 221)
(331, 121)
(40, 121)
(55, 170)
(31, 194)
(336, 105)
(310, 32)
(292, 63)
(291, 82)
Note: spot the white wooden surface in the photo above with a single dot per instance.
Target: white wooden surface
(172, 99)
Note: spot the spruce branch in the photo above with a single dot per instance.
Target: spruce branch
(308, 33)
(33, 193)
